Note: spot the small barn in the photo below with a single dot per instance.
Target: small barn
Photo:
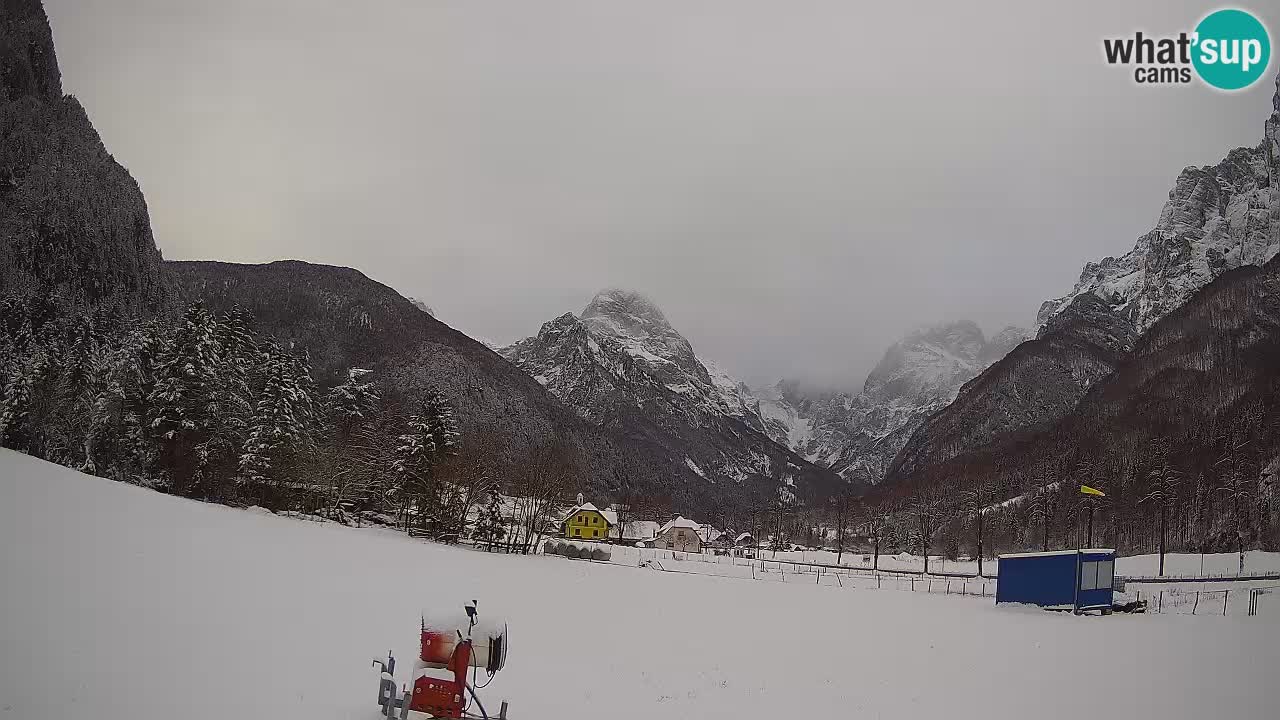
(1076, 580)
(679, 534)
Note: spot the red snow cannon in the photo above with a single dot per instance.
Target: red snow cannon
(449, 647)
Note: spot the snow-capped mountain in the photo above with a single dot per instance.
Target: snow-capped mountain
(1217, 218)
(858, 435)
(621, 363)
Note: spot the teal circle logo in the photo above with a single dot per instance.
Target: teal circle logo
(1232, 49)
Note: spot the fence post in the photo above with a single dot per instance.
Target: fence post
(1196, 604)
(1225, 594)
(1160, 602)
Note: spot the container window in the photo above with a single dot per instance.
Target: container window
(1105, 570)
(1089, 576)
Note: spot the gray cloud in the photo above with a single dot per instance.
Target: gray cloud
(795, 183)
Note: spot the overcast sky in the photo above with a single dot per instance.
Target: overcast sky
(796, 183)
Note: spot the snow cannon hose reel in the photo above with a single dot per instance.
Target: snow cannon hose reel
(439, 688)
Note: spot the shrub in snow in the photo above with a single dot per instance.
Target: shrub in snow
(552, 548)
(569, 551)
(599, 554)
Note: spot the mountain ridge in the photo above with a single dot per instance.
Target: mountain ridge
(1218, 218)
(621, 356)
(859, 434)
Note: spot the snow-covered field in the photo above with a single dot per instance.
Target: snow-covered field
(124, 604)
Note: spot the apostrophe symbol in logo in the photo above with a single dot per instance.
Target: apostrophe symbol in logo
(1231, 49)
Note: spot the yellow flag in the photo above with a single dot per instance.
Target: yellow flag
(1092, 491)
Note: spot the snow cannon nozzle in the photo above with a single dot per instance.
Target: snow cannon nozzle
(471, 615)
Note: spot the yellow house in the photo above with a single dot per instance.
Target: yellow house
(587, 522)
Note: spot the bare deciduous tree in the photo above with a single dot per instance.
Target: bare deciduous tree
(541, 485)
(842, 509)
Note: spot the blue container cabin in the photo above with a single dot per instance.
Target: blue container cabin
(1076, 580)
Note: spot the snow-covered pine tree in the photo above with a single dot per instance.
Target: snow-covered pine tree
(178, 419)
(432, 434)
(349, 404)
(20, 375)
(121, 414)
(491, 527)
(280, 429)
(76, 377)
(23, 366)
(411, 463)
(230, 398)
(443, 424)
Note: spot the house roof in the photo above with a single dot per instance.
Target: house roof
(680, 522)
(637, 530)
(744, 536)
(609, 516)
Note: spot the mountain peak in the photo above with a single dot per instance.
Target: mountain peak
(626, 306)
(930, 362)
(951, 333)
(1275, 99)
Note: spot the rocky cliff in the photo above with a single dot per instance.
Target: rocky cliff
(73, 223)
(1217, 218)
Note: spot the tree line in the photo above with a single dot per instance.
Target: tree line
(200, 405)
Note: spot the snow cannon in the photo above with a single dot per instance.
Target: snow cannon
(449, 647)
(442, 635)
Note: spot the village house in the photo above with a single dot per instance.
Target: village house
(679, 534)
(587, 522)
(635, 531)
(710, 535)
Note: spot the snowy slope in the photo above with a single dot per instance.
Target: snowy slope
(123, 604)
